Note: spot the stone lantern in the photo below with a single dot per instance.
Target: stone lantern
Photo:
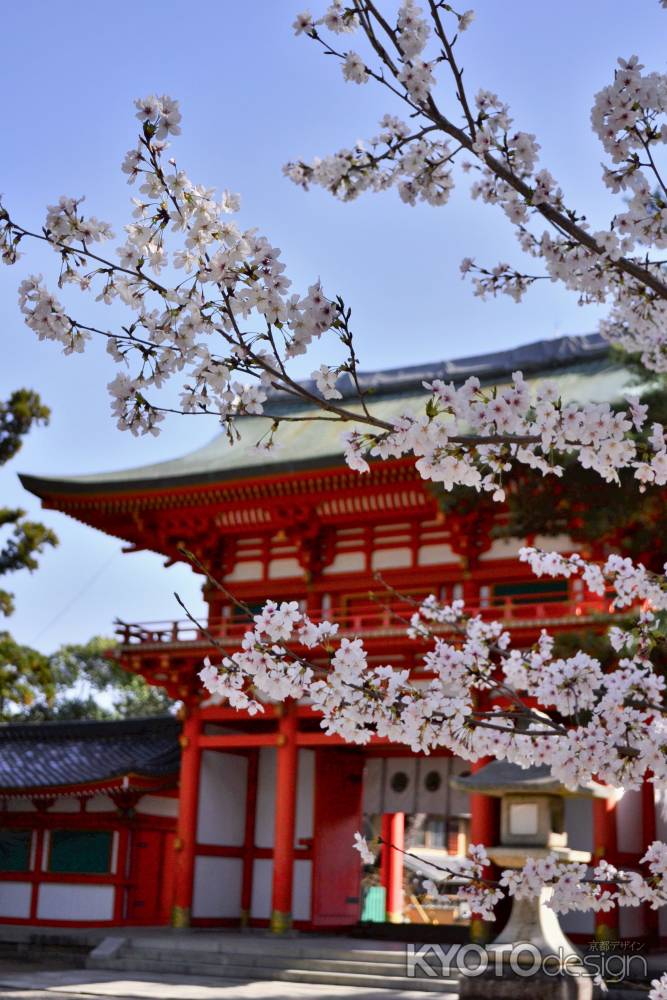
(532, 807)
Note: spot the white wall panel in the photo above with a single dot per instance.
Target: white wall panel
(346, 562)
(373, 785)
(435, 555)
(579, 824)
(391, 558)
(629, 821)
(20, 806)
(65, 804)
(554, 543)
(503, 548)
(253, 569)
(459, 802)
(287, 567)
(222, 794)
(217, 887)
(304, 826)
(395, 801)
(302, 890)
(262, 873)
(15, 900)
(58, 901)
(436, 801)
(266, 797)
(102, 803)
(158, 805)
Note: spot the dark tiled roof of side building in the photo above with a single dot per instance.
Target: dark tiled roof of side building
(80, 753)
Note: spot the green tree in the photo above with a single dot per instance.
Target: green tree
(26, 678)
(26, 539)
(88, 683)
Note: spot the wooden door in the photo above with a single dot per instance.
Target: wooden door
(144, 903)
(336, 865)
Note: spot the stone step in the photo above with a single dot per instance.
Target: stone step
(350, 963)
(239, 972)
(264, 947)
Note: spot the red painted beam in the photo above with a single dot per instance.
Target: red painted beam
(236, 740)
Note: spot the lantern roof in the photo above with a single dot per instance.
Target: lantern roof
(501, 777)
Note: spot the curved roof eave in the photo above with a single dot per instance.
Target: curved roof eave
(581, 364)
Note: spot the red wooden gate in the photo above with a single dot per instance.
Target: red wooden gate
(149, 867)
(336, 865)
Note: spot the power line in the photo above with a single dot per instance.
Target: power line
(70, 604)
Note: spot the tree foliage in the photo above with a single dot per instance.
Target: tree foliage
(23, 539)
(84, 681)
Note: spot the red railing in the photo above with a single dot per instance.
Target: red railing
(367, 619)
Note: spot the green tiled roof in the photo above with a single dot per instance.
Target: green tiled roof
(582, 367)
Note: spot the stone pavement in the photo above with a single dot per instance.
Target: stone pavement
(23, 982)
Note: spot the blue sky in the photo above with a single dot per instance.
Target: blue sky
(252, 97)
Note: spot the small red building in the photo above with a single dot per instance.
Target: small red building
(267, 806)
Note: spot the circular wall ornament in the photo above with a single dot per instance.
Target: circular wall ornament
(399, 781)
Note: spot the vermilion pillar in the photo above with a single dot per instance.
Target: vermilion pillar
(385, 836)
(605, 846)
(186, 831)
(484, 829)
(395, 835)
(285, 819)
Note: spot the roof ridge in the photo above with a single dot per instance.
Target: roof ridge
(88, 728)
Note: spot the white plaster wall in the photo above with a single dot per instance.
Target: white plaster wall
(391, 558)
(58, 901)
(158, 805)
(102, 803)
(302, 890)
(266, 796)
(217, 887)
(20, 806)
(304, 826)
(437, 801)
(400, 801)
(279, 568)
(15, 899)
(579, 824)
(65, 804)
(434, 555)
(554, 543)
(459, 802)
(503, 548)
(222, 795)
(253, 569)
(372, 803)
(346, 562)
(260, 904)
(629, 821)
